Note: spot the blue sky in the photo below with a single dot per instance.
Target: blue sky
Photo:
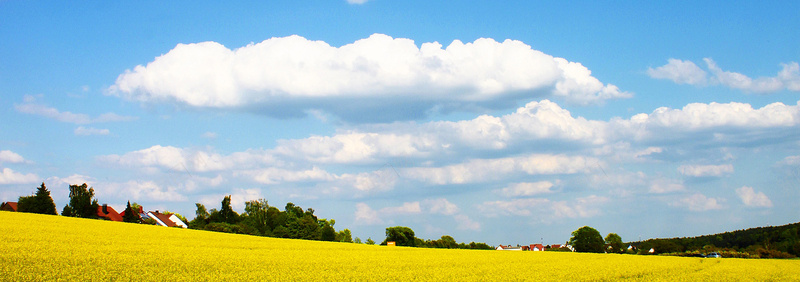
(505, 123)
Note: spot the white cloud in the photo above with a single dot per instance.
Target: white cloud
(687, 72)
(357, 1)
(696, 116)
(31, 107)
(366, 215)
(546, 209)
(7, 156)
(190, 160)
(706, 170)
(698, 202)
(210, 135)
(9, 176)
(291, 75)
(664, 185)
(279, 175)
(527, 189)
(441, 206)
(480, 170)
(142, 190)
(86, 131)
(681, 72)
(465, 223)
(406, 208)
(751, 198)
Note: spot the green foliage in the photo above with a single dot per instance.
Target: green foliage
(357, 240)
(81, 202)
(345, 236)
(369, 241)
(401, 235)
(614, 243)
(327, 233)
(40, 202)
(131, 215)
(257, 215)
(587, 240)
(201, 217)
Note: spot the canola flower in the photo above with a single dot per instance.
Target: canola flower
(46, 248)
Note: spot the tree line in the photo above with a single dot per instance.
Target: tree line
(404, 236)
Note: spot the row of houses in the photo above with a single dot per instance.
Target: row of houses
(109, 213)
(532, 247)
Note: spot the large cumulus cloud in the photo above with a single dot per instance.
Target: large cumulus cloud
(379, 77)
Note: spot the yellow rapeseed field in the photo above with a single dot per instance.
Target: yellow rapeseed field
(41, 247)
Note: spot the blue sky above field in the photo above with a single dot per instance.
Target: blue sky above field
(505, 123)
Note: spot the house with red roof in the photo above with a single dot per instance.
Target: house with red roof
(108, 213)
(168, 220)
(536, 247)
(8, 206)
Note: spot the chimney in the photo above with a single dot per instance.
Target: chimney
(105, 208)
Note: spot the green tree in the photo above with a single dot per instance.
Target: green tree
(369, 241)
(40, 202)
(344, 236)
(225, 214)
(258, 215)
(200, 217)
(401, 235)
(357, 240)
(327, 233)
(131, 215)
(81, 202)
(614, 243)
(587, 240)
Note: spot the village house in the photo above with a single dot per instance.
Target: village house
(8, 206)
(168, 220)
(107, 212)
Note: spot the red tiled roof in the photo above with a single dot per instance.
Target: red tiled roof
(109, 213)
(10, 206)
(137, 214)
(164, 218)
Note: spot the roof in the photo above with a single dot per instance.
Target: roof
(137, 214)
(9, 206)
(163, 218)
(107, 212)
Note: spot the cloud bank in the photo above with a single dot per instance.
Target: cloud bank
(290, 76)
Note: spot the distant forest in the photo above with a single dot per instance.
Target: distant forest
(764, 242)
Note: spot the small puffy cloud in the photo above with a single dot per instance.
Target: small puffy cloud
(441, 206)
(681, 72)
(356, 1)
(527, 189)
(706, 170)
(86, 131)
(291, 76)
(751, 198)
(698, 202)
(7, 156)
(788, 78)
(9, 176)
(664, 185)
(366, 215)
(31, 107)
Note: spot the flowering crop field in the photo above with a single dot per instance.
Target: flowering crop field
(44, 247)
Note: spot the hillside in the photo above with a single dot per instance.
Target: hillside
(772, 239)
(41, 247)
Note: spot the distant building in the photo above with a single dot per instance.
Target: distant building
(168, 220)
(508, 248)
(107, 212)
(8, 206)
(536, 247)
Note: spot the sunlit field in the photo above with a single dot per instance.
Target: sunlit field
(42, 247)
